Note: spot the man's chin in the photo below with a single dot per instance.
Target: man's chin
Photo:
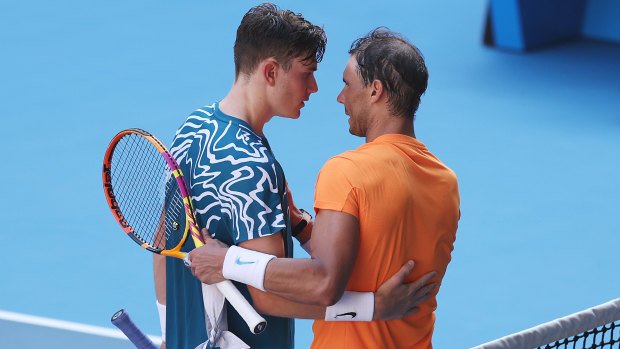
(292, 115)
(353, 132)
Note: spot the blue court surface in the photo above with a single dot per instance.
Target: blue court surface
(534, 139)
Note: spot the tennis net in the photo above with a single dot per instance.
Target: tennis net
(597, 327)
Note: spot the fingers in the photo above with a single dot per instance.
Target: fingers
(193, 256)
(189, 257)
(416, 292)
(402, 273)
(407, 268)
(411, 311)
(422, 280)
(422, 295)
(413, 305)
(426, 289)
(205, 234)
(193, 266)
(419, 291)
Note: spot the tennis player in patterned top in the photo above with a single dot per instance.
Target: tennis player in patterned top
(239, 193)
(239, 190)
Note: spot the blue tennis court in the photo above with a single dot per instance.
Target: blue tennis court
(533, 138)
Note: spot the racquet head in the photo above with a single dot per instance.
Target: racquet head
(149, 198)
(147, 193)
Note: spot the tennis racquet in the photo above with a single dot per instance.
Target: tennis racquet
(149, 198)
(122, 320)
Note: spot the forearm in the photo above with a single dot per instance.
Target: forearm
(304, 281)
(354, 306)
(271, 304)
(302, 288)
(159, 273)
(319, 280)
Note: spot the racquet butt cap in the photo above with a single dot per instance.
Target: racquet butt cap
(260, 327)
(118, 314)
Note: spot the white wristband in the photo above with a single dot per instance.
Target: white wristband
(246, 266)
(162, 319)
(306, 246)
(353, 306)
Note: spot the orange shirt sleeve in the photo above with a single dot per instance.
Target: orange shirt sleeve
(335, 187)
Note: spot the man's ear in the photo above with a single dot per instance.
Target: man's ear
(269, 70)
(376, 91)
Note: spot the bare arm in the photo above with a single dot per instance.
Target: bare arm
(320, 280)
(159, 271)
(271, 304)
(264, 302)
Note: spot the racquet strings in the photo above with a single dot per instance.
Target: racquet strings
(147, 192)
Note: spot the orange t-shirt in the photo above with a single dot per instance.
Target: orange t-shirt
(407, 205)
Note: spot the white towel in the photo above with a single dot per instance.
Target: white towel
(217, 324)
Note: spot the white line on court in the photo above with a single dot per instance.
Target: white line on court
(67, 325)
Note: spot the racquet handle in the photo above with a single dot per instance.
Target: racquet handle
(122, 320)
(255, 322)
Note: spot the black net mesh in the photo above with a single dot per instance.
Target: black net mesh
(606, 336)
(147, 193)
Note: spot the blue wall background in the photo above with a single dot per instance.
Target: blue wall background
(523, 25)
(602, 20)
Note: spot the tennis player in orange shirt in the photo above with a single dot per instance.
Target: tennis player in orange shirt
(388, 202)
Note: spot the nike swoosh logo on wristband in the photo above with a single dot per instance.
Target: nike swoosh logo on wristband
(240, 262)
(352, 314)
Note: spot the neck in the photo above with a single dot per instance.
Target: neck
(244, 103)
(389, 124)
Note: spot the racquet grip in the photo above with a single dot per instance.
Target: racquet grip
(122, 320)
(256, 323)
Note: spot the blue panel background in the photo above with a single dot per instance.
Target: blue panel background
(507, 24)
(602, 20)
(547, 22)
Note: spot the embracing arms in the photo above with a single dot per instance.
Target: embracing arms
(303, 288)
